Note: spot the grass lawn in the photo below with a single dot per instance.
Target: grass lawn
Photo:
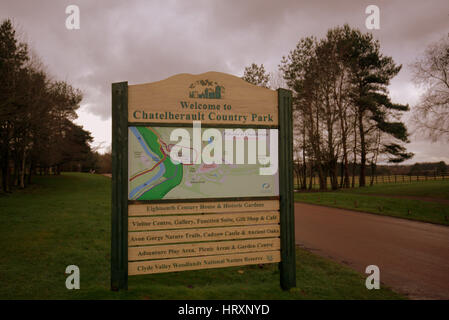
(438, 189)
(63, 220)
(380, 199)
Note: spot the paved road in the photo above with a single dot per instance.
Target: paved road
(413, 257)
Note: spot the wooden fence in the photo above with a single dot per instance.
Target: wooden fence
(380, 179)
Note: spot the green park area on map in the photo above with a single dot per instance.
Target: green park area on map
(153, 175)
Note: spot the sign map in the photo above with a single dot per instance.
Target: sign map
(154, 176)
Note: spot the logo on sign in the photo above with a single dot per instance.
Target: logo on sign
(206, 89)
(266, 187)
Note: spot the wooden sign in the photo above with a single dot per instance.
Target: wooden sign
(203, 207)
(203, 220)
(183, 264)
(212, 98)
(177, 211)
(203, 234)
(201, 249)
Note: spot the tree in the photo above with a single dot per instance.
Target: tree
(13, 57)
(36, 116)
(370, 76)
(431, 71)
(441, 167)
(256, 75)
(276, 80)
(29, 123)
(339, 86)
(105, 162)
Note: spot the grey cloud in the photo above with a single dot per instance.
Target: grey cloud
(144, 41)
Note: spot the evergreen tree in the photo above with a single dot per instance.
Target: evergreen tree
(13, 57)
(256, 75)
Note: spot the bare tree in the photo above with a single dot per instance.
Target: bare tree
(431, 71)
(276, 80)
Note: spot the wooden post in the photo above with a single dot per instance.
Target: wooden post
(119, 205)
(287, 265)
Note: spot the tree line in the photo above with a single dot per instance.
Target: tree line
(344, 120)
(424, 168)
(37, 132)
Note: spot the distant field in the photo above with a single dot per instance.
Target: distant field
(429, 189)
(423, 201)
(382, 179)
(63, 220)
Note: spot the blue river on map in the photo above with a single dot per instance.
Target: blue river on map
(153, 156)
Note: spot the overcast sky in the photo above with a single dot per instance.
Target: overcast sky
(145, 41)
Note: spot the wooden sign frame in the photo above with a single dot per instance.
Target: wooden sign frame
(120, 202)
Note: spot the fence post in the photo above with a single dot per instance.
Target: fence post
(119, 219)
(287, 265)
